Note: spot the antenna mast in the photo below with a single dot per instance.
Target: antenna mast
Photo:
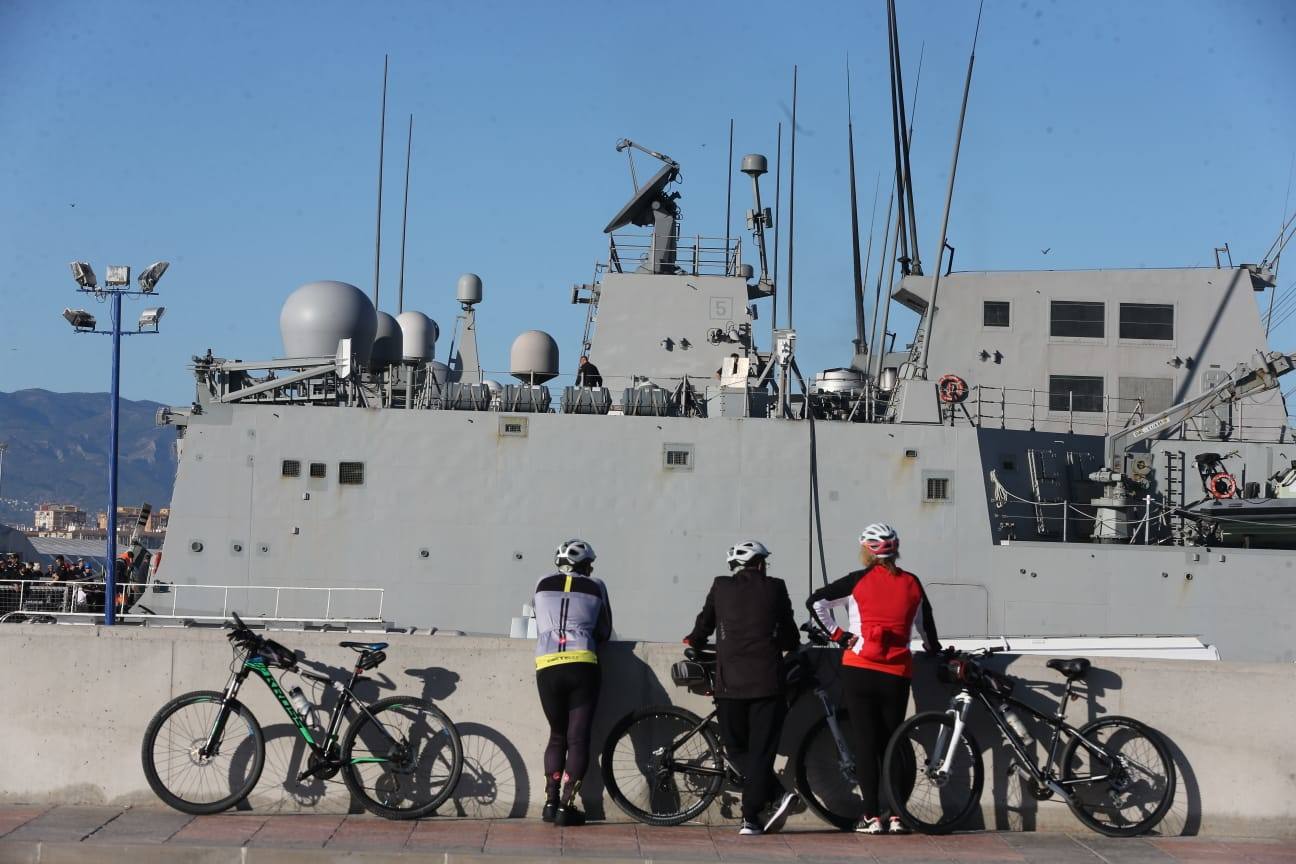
(778, 221)
(792, 196)
(916, 266)
(382, 139)
(861, 344)
(409, 148)
(729, 197)
(921, 371)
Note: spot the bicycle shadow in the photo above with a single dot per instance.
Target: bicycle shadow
(1185, 814)
(494, 783)
(439, 683)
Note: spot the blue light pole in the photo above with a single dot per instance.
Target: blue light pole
(116, 286)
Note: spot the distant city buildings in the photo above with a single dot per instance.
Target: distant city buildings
(71, 522)
(55, 518)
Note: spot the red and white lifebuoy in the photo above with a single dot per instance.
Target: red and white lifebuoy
(952, 388)
(1221, 485)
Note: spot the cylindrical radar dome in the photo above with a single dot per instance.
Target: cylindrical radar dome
(469, 290)
(494, 387)
(534, 357)
(318, 315)
(754, 164)
(387, 346)
(418, 336)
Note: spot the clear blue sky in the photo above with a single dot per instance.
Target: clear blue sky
(239, 141)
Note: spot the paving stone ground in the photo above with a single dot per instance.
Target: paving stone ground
(37, 835)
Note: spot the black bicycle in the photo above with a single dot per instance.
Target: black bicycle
(204, 751)
(1115, 773)
(664, 765)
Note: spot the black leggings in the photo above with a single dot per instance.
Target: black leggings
(568, 694)
(876, 702)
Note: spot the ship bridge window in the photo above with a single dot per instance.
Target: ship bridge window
(1075, 393)
(1076, 319)
(995, 313)
(291, 468)
(318, 470)
(1147, 321)
(351, 473)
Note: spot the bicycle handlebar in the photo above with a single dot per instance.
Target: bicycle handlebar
(242, 636)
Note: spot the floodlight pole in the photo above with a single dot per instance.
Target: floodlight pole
(110, 571)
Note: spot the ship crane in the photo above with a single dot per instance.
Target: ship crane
(1242, 382)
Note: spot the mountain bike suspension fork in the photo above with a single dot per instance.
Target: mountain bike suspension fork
(846, 761)
(946, 740)
(212, 744)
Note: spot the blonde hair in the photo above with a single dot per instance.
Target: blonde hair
(868, 559)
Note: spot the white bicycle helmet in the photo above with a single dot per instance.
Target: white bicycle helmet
(746, 552)
(574, 553)
(880, 539)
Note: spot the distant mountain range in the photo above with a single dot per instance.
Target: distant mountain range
(58, 452)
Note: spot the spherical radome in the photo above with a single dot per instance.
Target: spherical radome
(318, 315)
(533, 357)
(419, 334)
(387, 343)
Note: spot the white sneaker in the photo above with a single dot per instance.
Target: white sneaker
(748, 829)
(871, 825)
(896, 826)
(778, 815)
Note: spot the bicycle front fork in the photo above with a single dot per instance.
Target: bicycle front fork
(846, 760)
(212, 745)
(947, 738)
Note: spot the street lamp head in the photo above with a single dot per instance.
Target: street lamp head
(80, 319)
(152, 275)
(83, 274)
(149, 318)
(118, 274)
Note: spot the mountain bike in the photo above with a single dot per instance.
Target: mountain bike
(204, 751)
(1115, 773)
(664, 765)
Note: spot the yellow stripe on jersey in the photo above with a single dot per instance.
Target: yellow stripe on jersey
(544, 661)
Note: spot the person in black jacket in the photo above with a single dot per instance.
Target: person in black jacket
(752, 615)
(587, 374)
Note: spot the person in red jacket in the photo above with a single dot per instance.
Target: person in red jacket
(882, 602)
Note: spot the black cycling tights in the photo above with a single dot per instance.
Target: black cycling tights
(568, 694)
(875, 702)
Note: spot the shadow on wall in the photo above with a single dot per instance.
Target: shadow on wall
(620, 666)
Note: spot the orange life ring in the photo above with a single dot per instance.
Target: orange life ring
(952, 388)
(1221, 485)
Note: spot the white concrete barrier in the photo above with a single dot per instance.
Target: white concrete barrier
(74, 703)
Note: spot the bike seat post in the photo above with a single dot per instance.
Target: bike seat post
(1066, 698)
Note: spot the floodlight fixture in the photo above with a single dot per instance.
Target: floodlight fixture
(149, 318)
(81, 320)
(83, 274)
(118, 274)
(152, 274)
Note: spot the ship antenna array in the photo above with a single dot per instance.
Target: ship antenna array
(409, 149)
(903, 169)
(949, 199)
(382, 140)
(861, 344)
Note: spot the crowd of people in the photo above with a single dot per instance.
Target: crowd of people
(750, 614)
(60, 569)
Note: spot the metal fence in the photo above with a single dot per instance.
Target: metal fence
(85, 600)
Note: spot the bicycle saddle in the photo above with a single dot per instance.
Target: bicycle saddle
(1074, 668)
(363, 646)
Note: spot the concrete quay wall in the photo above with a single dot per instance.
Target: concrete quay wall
(74, 703)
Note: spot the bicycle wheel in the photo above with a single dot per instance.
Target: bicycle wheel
(828, 784)
(662, 766)
(192, 783)
(403, 758)
(930, 800)
(1134, 776)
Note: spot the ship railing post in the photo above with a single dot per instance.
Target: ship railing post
(225, 604)
(697, 252)
(175, 599)
(1147, 519)
(328, 603)
(1034, 400)
(1066, 509)
(278, 591)
(22, 588)
(1071, 411)
(382, 596)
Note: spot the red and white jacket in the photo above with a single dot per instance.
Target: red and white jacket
(883, 608)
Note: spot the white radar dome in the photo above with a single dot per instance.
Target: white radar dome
(318, 315)
(469, 290)
(494, 387)
(533, 357)
(387, 343)
(418, 336)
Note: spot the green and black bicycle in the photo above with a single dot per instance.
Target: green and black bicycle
(204, 751)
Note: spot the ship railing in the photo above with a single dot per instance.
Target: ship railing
(1032, 408)
(695, 255)
(172, 601)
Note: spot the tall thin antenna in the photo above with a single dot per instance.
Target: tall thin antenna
(861, 344)
(729, 197)
(868, 255)
(921, 371)
(895, 139)
(409, 148)
(792, 196)
(382, 140)
(778, 221)
(916, 266)
(887, 264)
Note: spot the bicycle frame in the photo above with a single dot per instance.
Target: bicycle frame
(325, 751)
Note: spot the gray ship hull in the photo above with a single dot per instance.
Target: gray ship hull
(457, 516)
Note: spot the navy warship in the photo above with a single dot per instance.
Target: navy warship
(1100, 453)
